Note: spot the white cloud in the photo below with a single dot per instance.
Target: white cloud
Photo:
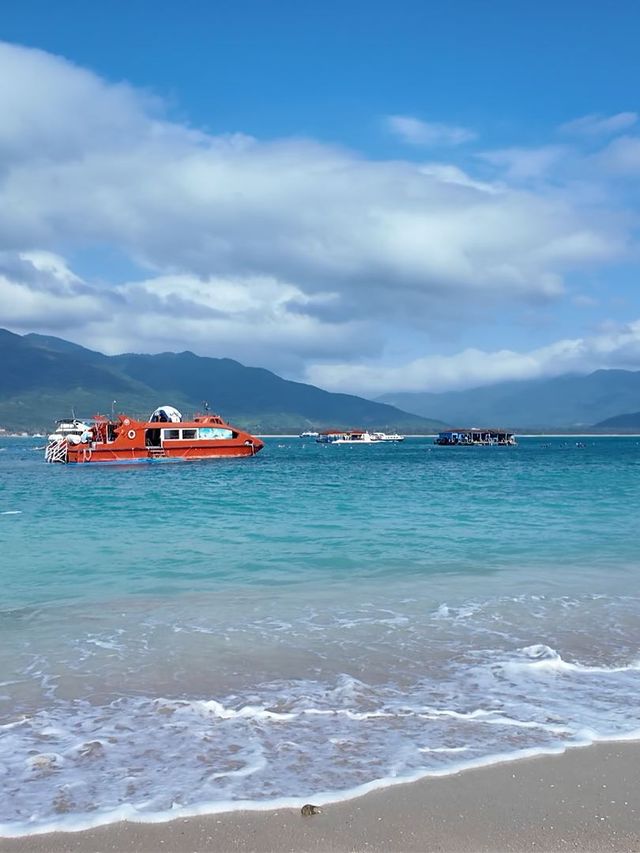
(621, 156)
(447, 173)
(599, 125)
(414, 131)
(615, 348)
(522, 164)
(245, 318)
(181, 201)
(273, 252)
(37, 290)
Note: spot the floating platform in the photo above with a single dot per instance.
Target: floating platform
(475, 436)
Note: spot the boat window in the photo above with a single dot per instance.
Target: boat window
(189, 433)
(216, 433)
(170, 434)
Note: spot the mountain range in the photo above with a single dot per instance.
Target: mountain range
(569, 401)
(44, 378)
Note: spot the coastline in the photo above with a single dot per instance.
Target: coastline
(583, 799)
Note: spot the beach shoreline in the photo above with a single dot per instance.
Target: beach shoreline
(583, 799)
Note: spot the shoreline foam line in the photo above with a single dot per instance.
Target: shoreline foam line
(583, 800)
(130, 814)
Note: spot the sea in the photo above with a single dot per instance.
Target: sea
(308, 624)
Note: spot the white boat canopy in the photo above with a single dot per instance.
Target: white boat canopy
(166, 414)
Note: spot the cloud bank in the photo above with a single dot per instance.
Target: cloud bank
(294, 254)
(616, 348)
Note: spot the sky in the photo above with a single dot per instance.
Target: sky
(369, 196)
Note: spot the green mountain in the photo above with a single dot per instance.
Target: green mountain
(45, 378)
(568, 401)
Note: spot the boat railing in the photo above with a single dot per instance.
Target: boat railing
(144, 417)
(56, 451)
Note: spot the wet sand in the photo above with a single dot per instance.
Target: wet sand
(584, 800)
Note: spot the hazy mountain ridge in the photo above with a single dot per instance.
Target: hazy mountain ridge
(570, 401)
(45, 377)
(629, 421)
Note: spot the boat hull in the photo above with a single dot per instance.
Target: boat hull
(85, 455)
(357, 441)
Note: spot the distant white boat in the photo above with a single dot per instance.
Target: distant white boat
(388, 436)
(308, 434)
(70, 428)
(347, 437)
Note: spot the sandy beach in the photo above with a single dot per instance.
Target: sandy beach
(585, 799)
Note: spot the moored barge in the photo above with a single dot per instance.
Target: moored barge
(476, 436)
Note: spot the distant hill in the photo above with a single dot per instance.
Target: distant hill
(568, 401)
(621, 422)
(44, 378)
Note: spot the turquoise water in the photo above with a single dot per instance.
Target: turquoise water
(307, 623)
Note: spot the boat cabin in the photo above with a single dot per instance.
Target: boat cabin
(210, 430)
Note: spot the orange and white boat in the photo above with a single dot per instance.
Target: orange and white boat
(164, 437)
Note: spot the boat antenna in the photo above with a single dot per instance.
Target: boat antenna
(206, 405)
(73, 413)
(113, 409)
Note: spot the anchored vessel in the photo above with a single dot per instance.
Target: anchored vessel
(388, 436)
(353, 436)
(475, 436)
(165, 436)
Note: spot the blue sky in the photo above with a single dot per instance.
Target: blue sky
(330, 69)
(369, 196)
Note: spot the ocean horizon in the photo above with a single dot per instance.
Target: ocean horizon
(308, 624)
